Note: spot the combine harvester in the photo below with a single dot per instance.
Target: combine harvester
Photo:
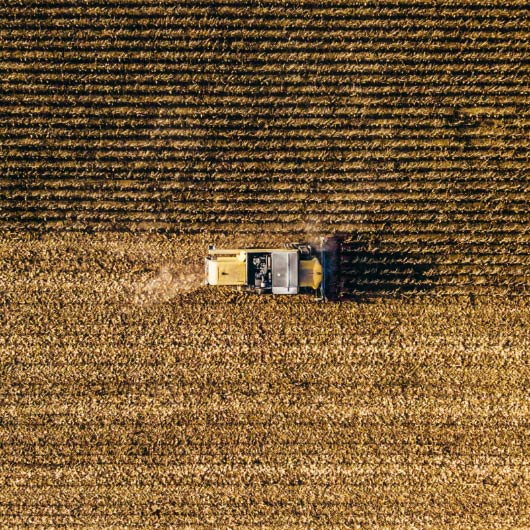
(297, 268)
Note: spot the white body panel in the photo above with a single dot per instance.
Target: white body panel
(285, 272)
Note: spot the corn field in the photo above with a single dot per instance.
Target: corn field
(403, 124)
(133, 133)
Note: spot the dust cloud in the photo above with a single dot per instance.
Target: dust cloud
(170, 281)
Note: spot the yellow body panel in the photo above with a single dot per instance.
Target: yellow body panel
(227, 271)
(310, 273)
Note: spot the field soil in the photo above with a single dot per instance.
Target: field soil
(134, 396)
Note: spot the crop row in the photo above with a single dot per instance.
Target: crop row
(216, 81)
(449, 196)
(441, 120)
(323, 115)
(443, 200)
(469, 5)
(468, 137)
(418, 144)
(344, 184)
(322, 57)
(426, 36)
(262, 20)
(503, 216)
(173, 89)
(151, 154)
(290, 175)
(383, 47)
(325, 12)
(150, 64)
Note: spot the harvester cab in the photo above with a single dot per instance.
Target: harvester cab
(296, 268)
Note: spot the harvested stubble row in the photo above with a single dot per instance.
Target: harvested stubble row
(132, 396)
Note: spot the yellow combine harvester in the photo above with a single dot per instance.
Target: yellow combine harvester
(299, 267)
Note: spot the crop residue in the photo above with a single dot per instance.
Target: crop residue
(170, 281)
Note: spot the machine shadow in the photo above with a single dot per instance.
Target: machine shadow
(365, 272)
